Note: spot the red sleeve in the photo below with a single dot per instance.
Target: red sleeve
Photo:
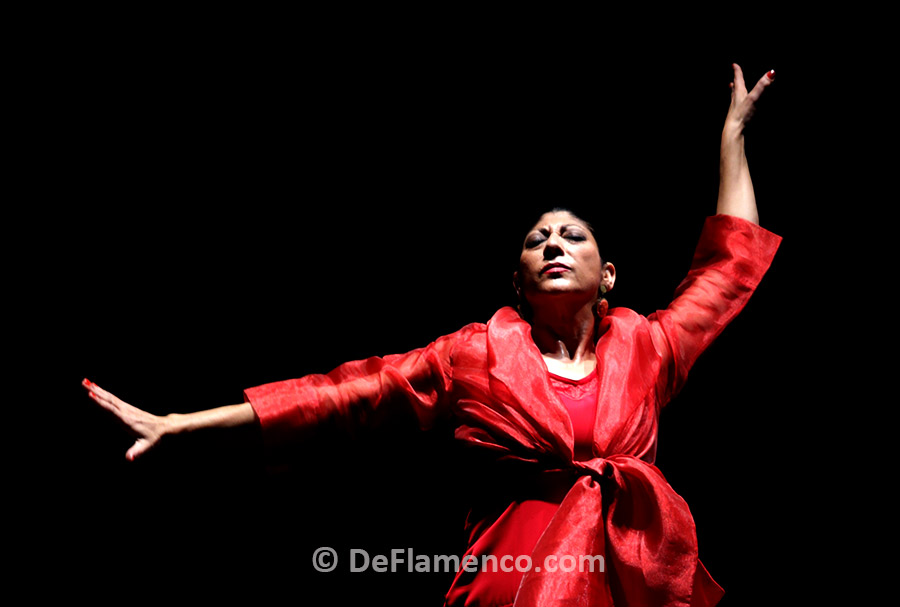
(359, 392)
(731, 258)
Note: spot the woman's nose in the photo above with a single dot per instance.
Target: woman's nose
(552, 247)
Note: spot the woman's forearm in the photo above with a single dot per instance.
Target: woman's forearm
(736, 195)
(222, 417)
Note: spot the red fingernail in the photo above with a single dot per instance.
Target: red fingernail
(771, 74)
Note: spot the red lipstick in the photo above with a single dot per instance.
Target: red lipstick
(555, 268)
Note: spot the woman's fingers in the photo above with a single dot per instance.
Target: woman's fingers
(743, 103)
(127, 414)
(108, 396)
(761, 85)
(107, 399)
(102, 397)
(139, 447)
(738, 85)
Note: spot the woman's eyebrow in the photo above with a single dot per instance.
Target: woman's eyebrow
(544, 230)
(562, 228)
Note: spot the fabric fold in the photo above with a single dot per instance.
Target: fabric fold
(622, 510)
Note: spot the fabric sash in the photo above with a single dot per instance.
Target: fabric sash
(642, 528)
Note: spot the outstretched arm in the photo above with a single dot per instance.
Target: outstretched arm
(735, 187)
(354, 393)
(149, 429)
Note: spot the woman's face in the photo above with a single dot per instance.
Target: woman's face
(560, 257)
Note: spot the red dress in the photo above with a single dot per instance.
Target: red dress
(490, 381)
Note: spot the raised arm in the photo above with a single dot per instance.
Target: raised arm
(149, 429)
(731, 258)
(736, 195)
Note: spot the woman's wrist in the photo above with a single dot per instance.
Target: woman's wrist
(733, 133)
(222, 417)
(176, 423)
(732, 158)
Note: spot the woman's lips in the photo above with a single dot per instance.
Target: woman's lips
(555, 268)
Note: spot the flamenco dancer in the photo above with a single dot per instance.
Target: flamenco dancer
(562, 394)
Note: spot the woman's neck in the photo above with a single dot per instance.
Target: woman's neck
(565, 334)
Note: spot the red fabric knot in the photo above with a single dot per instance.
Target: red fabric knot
(643, 528)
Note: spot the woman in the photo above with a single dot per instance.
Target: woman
(560, 398)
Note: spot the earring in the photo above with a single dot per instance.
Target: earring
(602, 306)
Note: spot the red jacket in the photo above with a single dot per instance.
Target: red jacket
(491, 382)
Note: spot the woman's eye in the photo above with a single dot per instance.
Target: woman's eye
(576, 237)
(534, 241)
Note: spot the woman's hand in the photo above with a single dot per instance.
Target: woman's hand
(743, 103)
(148, 428)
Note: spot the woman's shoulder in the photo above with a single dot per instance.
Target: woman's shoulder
(624, 321)
(625, 315)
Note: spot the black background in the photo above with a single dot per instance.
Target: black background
(221, 202)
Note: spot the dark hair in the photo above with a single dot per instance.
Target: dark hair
(576, 216)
